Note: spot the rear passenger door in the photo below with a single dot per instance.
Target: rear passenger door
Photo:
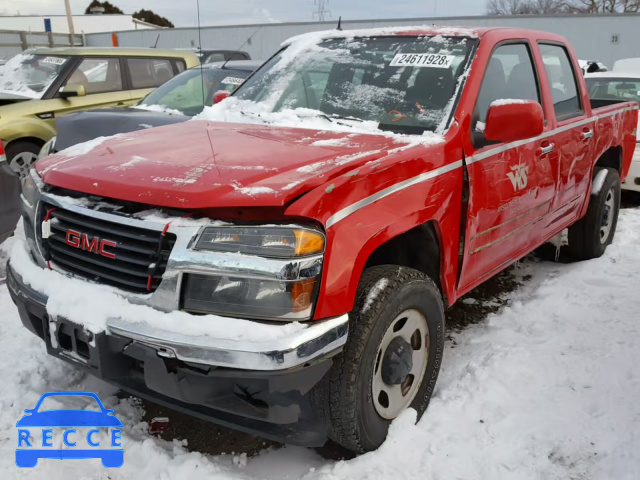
(511, 186)
(145, 74)
(573, 136)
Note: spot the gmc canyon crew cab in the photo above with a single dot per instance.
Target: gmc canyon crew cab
(282, 263)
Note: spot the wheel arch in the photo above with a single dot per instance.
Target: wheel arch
(611, 158)
(417, 248)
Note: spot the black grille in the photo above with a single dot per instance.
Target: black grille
(140, 255)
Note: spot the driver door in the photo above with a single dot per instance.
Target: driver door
(102, 79)
(511, 186)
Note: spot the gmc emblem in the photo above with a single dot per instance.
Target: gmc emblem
(90, 244)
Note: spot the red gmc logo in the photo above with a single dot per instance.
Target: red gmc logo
(90, 244)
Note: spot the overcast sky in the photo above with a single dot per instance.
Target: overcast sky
(183, 12)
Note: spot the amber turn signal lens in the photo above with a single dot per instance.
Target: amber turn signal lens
(308, 242)
(301, 294)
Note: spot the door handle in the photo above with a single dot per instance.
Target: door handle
(587, 135)
(547, 149)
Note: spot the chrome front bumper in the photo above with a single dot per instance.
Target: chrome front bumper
(318, 340)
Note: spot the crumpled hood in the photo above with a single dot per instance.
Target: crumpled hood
(200, 164)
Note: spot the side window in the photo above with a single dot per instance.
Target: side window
(149, 72)
(235, 56)
(98, 75)
(214, 57)
(562, 81)
(509, 75)
(180, 65)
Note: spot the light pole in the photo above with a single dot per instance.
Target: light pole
(67, 6)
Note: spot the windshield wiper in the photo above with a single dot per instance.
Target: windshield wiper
(407, 129)
(344, 117)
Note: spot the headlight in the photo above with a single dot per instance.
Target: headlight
(29, 188)
(275, 242)
(250, 297)
(290, 295)
(48, 148)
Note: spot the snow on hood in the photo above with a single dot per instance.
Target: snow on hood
(199, 165)
(158, 109)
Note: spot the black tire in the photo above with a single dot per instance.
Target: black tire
(585, 238)
(19, 147)
(346, 393)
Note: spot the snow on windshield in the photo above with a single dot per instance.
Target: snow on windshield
(30, 75)
(398, 84)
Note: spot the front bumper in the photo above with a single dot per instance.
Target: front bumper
(204, 379)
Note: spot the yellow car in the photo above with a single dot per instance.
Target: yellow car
(43, 84)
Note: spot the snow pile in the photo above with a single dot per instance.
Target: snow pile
(235, 110)
(157, 108)
(135, 160)
(545, 389)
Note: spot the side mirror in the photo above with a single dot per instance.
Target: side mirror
(513, 120)
(219, 96)
(72, 91)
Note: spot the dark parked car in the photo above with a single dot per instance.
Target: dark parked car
(210, 56)
(176, 101)
(9, 198)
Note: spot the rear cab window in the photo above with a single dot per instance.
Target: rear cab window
(562, 80)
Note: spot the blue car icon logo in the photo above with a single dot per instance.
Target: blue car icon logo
(29, 452)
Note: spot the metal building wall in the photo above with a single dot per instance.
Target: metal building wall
(595, 37)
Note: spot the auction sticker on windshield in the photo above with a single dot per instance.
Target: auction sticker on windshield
(232, 81)
(54, 60)
(432, 60)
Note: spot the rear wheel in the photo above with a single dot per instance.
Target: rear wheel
(590, 236)
(21, 156)
(391, 360)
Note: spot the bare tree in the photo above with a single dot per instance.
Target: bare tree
(603, 6)
(526, 7)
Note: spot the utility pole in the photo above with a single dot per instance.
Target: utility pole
(67, 6)
(322, 12)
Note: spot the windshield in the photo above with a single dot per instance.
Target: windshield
(31, 75)
(404, 84)
(185, 92)
(614, 88)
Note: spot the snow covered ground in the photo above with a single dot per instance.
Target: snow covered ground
(547, 388)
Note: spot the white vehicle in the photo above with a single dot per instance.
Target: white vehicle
(591, 66)
(615, 86)
(627, 65)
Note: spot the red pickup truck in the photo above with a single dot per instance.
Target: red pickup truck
(282, 264)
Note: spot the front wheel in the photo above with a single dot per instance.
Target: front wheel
(21, 156)
(590, 236)
(392, 357)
